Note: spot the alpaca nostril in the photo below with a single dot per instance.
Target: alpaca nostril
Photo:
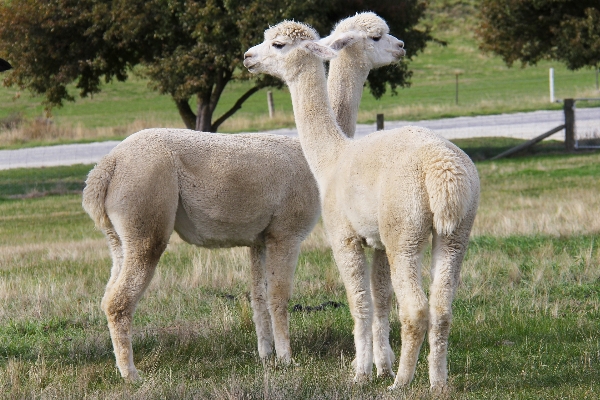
(401, 44)
(247, 55)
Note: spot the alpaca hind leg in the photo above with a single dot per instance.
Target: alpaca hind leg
(281, 260)
(447, 256)
(258, 295)
(414, 313)
(350, 260)
(381, 290)
(116, 252)
(122, 296)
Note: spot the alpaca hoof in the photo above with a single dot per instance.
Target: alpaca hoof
(439, 389)
(284, 360)
(386, 373)
(287, 362)
(399, 382)
(362, 377)
(396, 386)
(131, 376)
(268, 361)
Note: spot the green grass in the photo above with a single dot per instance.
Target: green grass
(29, 181)
(525, 315)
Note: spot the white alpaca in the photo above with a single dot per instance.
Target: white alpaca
(390, 190)
(215, 191)
(364, 43)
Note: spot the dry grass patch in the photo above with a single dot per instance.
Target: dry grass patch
(44, 130)
(555, 196)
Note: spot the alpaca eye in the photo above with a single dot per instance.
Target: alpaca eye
(376, 38)
(278, 45)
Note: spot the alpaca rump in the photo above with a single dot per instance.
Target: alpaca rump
(392, 190)
(214, 191)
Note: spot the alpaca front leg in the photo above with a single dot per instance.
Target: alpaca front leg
(381, 289)
(281, 260)
(350, 259)
(258, 295)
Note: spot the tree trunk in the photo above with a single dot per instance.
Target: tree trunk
(202, 121)
(186, 113)
(204, 114)
(236, 106)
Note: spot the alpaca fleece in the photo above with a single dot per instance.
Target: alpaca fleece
(214, 190)
(364, 43)
(391, 190)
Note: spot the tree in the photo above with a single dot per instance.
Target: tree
(187, 48)
(532, 30)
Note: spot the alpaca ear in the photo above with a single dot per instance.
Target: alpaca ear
(342, 40)
(323, 52)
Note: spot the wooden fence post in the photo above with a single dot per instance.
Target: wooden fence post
(569, 109)
(456, 98)
(270, 104)
(379, 122)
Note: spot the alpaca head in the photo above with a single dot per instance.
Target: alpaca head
(285, 49)
(366, 36)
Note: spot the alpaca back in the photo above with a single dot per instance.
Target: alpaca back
(232, 187)
(229, 188)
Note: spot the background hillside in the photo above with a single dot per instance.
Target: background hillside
(485, 86)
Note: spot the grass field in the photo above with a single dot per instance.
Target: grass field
(526, 314)
(525, 323)
(486, 86)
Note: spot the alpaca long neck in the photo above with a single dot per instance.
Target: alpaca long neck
(347, 76)
(320, 136)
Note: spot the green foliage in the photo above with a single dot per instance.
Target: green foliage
(532, 30)
(59, 42)
(486, 86)
(189, 49)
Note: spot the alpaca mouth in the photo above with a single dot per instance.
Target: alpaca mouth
(250, 65)
(399, 53)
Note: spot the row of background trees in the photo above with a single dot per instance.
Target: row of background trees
(192, 49)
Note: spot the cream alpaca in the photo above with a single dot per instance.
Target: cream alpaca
(364, 43)
(215, 191)
(390, 190)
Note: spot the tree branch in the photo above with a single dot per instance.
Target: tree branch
(186, 113)
(236, 106)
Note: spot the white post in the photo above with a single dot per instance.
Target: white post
(551, 85)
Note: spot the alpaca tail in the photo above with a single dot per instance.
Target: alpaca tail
(96, 187)
(451, 188)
